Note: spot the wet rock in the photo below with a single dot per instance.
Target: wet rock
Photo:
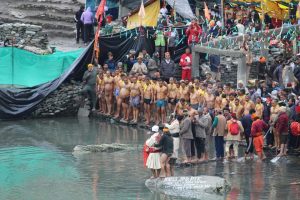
(198, 187)
(104, 148)
(60, 103)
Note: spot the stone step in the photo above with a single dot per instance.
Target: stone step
(58, 5)
(44, 23)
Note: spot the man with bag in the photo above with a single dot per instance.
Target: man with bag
(234, 128)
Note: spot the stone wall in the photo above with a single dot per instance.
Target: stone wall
(64, 101)
(25, 36)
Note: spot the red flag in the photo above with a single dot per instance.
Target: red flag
(206, 12)
(100, 9)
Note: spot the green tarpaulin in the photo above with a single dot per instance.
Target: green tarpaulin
(22, 68)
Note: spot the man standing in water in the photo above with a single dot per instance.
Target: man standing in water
(186, 135)
(257, 128)
(166, 144)
(148, 99)
(161, 103)
(124, 97)
(136, 97)
(153, 159)
(89, 88)
(108, 91)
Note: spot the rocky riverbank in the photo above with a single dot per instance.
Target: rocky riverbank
(65, 101)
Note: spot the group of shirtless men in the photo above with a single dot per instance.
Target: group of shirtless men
(130, 97)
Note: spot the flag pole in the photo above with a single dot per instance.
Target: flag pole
(222, 13)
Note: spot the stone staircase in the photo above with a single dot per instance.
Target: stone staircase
(55, 16)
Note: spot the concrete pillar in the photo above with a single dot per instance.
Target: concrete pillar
(195, 63)
(241, 70)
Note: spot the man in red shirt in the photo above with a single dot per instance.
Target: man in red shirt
(283, 130)
(257, 129)
(193, 32)
(186, 64)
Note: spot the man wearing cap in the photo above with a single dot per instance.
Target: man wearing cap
(186, 135)
(152, 153)
(89, 88)
(139, 67)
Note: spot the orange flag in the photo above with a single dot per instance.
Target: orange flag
(206, 12)
(142, 13)
(98, 15)
(100, 9)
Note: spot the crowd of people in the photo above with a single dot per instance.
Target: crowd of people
(229, 116)
(191, 109)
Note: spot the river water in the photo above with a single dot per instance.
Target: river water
(36, 162)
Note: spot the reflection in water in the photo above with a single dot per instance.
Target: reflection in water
(36, 162)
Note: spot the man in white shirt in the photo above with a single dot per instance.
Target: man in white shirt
(174, 129)
(139, 67)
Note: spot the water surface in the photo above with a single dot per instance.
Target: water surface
(36, 162)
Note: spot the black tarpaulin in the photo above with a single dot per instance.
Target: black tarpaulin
(138, 39)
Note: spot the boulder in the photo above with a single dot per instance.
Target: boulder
(104, 148)
(198, 187)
